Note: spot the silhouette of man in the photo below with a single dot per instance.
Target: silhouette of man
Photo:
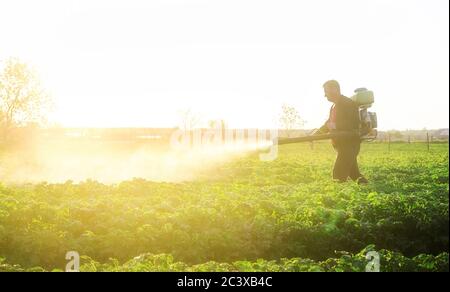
(344, 116)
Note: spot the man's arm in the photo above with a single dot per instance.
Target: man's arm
(322, 130)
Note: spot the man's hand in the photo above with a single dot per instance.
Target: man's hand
(322, 130)
(314, 132)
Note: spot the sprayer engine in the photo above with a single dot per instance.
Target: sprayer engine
(368, 120)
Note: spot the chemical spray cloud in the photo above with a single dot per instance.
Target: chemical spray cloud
(219, 137)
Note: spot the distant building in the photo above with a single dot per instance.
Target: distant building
(441, 134)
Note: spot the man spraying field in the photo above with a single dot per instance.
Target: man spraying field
(348, 124)
(344, 117)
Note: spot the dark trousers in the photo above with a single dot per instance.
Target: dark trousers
(346, 164)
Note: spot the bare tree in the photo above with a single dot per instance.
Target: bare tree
(22, 99)
(189, 120)
(290, 119)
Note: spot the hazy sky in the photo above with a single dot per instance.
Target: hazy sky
(139, 63)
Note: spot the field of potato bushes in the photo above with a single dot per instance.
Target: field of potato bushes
(244, 215)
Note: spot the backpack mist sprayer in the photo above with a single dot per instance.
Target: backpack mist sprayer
(368, 124)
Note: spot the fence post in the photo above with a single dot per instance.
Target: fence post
(389, 142)
(428, 141)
